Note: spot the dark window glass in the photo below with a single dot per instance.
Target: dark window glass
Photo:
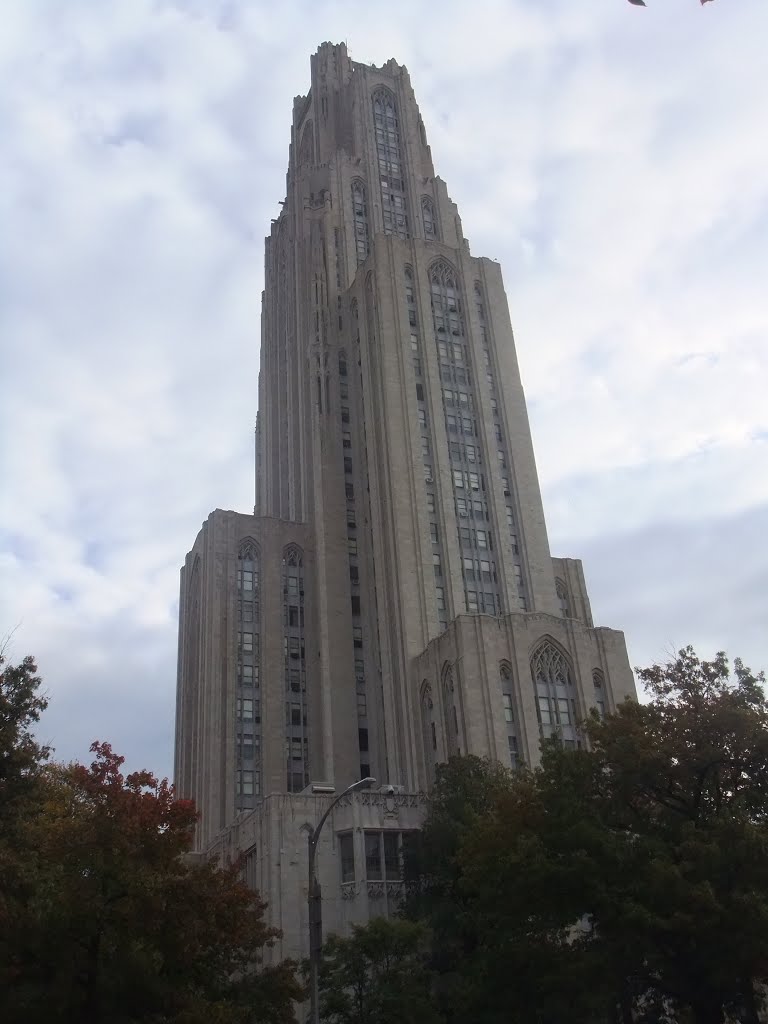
(391, 856)
(347, 857)
(373, 856)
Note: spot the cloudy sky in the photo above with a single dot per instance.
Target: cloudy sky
(614, 159)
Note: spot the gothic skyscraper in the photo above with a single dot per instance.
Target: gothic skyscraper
(392, 600)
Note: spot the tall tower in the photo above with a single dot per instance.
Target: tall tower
(393, 600)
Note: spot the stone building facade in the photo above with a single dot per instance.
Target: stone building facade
(392, 600)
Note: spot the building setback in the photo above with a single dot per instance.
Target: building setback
(392, 601)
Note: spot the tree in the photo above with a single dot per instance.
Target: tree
(21, 757)
(634, 872)
(466, 790)
(687, 780)
(121, 924)
(377, 976)
(22, 761)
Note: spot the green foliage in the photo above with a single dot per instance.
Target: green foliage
(377, 976)
(20, 755)
(616, 880)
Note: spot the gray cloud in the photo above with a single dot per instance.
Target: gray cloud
(613, 163)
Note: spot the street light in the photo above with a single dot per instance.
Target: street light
(314, 901)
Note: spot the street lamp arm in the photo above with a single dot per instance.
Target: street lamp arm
(314, 905)
(313, 839)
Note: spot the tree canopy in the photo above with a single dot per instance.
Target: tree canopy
(377, 975)
(616, 880)
(104, 914)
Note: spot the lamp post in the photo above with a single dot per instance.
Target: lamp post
(314, 901)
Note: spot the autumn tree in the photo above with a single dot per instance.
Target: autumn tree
(377, 975)
(121, 924)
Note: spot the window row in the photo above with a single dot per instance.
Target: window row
(247, 642)
(472, 508)
(247, 782)
(463, 480)
(384, 853)
(247, 580)
(248, 746)
(248, 710)
(480, 569)
(247, 675)
(462, 399)
(470, 537)
(460, 452)
(293, 648)
(483, 602)
(460, 424)
(248, 611)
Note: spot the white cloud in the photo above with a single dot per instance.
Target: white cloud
(611, 159)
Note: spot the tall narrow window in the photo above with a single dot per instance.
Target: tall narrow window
(507, 703)
(428, 218)
(394, 206)
(297, 735)
(598, 682)
(248, 665)
(360, 217)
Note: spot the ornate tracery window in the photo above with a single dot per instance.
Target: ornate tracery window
(555, 693)
(394, 205)
(297, 731)
(248, 690)
(360, 215)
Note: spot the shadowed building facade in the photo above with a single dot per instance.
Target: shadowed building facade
(393, 599)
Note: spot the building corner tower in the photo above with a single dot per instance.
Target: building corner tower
(392, 601)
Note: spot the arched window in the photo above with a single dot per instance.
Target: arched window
(562, 597)
(248, 566)
(598, 682)
(446, 309)
(342, 363)
(394, 207)
(507, 699)
(297, 731)
(428, 218)
(555, 693)
(360, 214)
